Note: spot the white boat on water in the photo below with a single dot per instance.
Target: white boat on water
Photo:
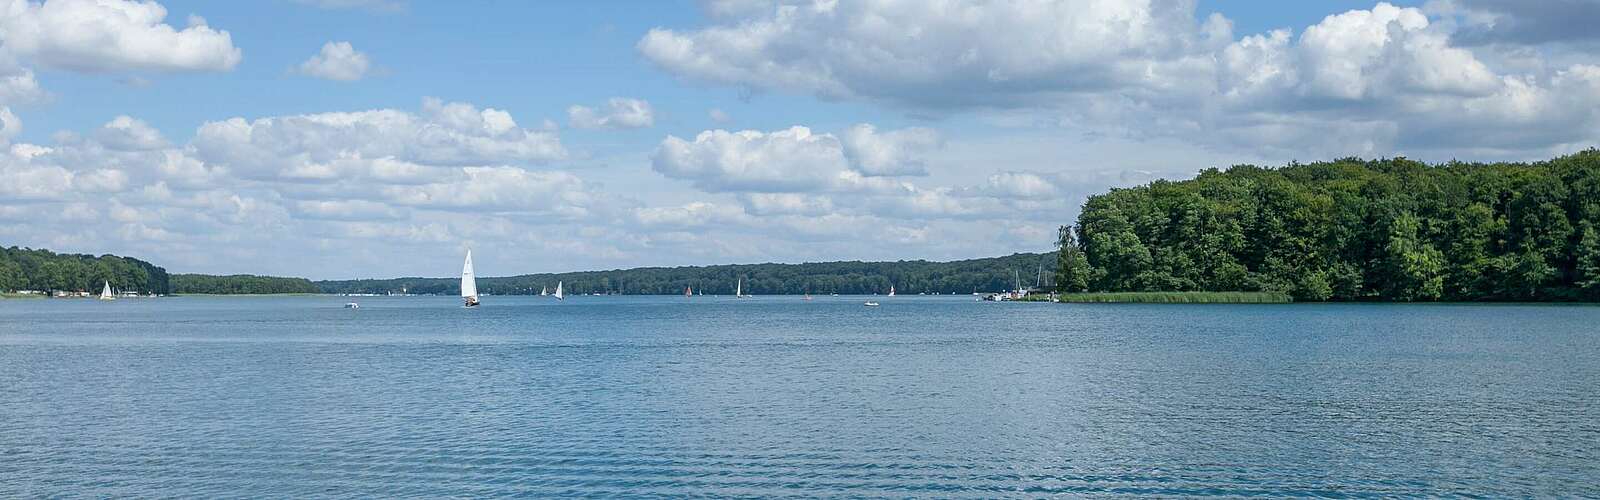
(469, 284)
(352, 305)
(738, 290)
(105, 293)
(871, 303)
(891, 290)
(545, 291)
(559, 295)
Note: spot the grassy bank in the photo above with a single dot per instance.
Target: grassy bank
(1179, 297)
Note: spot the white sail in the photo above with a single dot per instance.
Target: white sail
(544, 291)
(105, 293)
(891, 290)
(469, 284)
(559, 295)
(738, 288)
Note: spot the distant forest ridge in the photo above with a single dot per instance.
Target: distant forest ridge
(240, 284)
(845, 277)
(1350, 229)
(43, 270)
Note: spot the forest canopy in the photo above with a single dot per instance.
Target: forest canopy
(1350, 229)
(43, 270)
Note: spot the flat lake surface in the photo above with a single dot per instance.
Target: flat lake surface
(774, 396)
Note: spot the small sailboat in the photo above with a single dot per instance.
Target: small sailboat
(545, 291)
(469, 284)
(559, 295)
(891, 290)
(688, 292)
(105, 293)
(807, 297)
(738, 289)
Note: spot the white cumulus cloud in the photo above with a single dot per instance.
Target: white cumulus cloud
(112, 35)
(1375, 81)
(383, 143)
(899, 152)
(337, 61)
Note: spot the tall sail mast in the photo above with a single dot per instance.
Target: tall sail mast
(469, 283)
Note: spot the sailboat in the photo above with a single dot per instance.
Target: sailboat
(738, 289)
(559, 295)
(544, 291)
(105, 293)
(891, 290)
(688, 292)
(469, 284)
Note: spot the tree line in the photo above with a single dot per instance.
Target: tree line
(851, 277)
(43, 270)
(1349, 229)
(238, 284)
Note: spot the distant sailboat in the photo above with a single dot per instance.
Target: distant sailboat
(469, 284)
(807, 297)
(891, 290)
(688, 291)
(545, 291)
(105, 293)
(738, 289)
(559, 295)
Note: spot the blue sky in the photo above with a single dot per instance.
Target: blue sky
(353, 138)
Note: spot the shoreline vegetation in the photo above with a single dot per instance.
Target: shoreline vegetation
(1167, 298)
(1392, 230)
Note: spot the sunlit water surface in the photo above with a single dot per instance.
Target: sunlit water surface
(774, 396)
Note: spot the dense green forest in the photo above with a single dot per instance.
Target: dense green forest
(1396, 230)
(28, 269)
(910, 277)
(239, 284)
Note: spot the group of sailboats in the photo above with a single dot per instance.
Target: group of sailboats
(469, 285)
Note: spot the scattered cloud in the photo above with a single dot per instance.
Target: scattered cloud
(378, 144)
(618, 113)
(795, 159)
(337, 61)
(1368, 81)
(125, 133)
(96, 36)
(899, 152)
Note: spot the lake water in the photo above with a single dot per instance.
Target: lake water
(773, 396)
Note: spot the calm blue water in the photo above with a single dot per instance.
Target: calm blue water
(924, 396)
